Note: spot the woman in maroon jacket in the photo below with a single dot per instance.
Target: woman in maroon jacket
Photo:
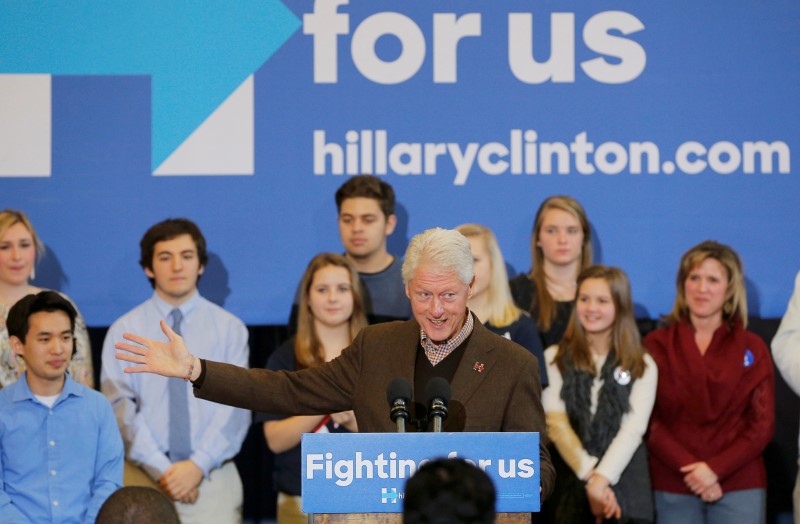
(714, 412)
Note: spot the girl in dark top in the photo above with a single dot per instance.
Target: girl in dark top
(491, 297)
(561, 247)
(715, 405)
(331, 314)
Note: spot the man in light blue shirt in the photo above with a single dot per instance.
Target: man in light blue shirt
(61, 454)
(184, 446)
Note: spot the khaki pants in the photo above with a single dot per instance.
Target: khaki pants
(219, 501)
(135, 476)
(290, 510)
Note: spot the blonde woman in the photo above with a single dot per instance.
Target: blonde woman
(20, 249)
(331, 313)
(491, 297)
(561, 247)
(715, 406)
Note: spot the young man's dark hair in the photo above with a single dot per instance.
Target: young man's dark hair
(49, 301)
(137, 505)
(367, 186)
(449, 491)
(167, 230)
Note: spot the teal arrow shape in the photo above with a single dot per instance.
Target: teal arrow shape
(196, 52)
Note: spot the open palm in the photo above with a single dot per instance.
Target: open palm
(169, 359)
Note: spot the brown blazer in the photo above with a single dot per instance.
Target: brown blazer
(504, 396)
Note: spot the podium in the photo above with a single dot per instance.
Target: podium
(360, 478)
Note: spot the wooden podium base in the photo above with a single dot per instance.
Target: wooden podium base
(397, 518)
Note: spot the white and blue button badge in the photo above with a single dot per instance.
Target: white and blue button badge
(748, 358)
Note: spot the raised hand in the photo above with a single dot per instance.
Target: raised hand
(169, 359)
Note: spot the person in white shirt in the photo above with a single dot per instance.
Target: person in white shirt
(786, 354)
(602, 390)
(174, 441)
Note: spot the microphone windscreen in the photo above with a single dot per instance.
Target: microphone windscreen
(437, 387)
(399, 388)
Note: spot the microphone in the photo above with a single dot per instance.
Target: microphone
(438, 393)
(399, 395)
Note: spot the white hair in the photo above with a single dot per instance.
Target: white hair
(441, 250)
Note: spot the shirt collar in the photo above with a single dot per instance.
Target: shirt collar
(165, 308)
(23, 390)
(437, 352)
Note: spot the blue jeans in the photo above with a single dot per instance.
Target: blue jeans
(748, 506)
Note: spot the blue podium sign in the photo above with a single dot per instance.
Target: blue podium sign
(366, 473)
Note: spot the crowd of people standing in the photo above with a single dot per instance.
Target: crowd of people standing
(666, 428)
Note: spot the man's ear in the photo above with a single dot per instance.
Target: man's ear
(16, 345)
(200, 271)
(149, 273)
(469, 291)
(408, 293)
(391, 223)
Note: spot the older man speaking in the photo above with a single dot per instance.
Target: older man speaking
(495, 382)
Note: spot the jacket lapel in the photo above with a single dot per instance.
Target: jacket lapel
(477, 363)
(407, 345)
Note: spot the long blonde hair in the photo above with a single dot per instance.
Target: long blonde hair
(735, 305)
(543, 304)
(308, 349)
(502, 311)
(625, 339)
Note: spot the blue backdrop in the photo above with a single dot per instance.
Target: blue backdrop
(671, 122)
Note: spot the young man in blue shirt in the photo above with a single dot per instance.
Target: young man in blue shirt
(61, 453)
